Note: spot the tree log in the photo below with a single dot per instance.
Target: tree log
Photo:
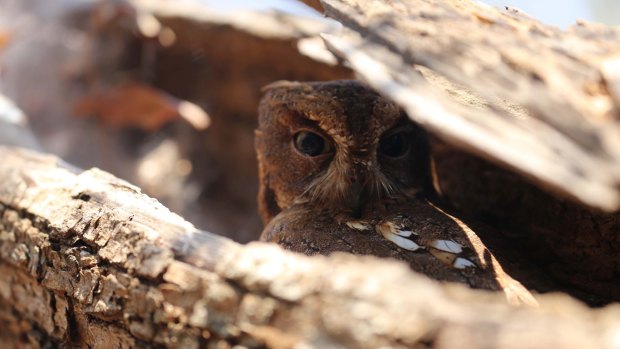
(86, 259)
(499, 93)
(560, 126)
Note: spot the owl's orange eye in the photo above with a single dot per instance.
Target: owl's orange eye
(395, 144)
(310, 143)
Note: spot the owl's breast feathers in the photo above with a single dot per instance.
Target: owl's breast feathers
(431, 241)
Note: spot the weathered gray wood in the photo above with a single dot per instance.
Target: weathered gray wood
(565, 134)
(87, 259)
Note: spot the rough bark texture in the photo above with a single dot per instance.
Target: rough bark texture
(571, 244)
(560, 126)
(528, 97)
(87, 260)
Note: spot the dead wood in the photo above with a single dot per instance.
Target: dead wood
(500, 93)
(572, 244)
(560, 124)
(88, 259)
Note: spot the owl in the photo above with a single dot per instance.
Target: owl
(343, 169)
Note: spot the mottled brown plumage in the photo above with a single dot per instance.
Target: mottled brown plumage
(343, 169)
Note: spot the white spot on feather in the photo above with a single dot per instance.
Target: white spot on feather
(447, 246)
(393, 228)
(403, 242)
(462, 263)
(391, 232)
(358, 225)
(405, 233)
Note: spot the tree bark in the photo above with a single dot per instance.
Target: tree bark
(560, 125)
(516, 92)
(86, 259)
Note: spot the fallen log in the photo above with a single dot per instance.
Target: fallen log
(86, 259)
(539, 100)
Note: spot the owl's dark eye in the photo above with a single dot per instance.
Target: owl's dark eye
(310, 143)
(394, 145)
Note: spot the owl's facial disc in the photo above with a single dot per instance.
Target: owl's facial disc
(391, 163)
(338, 145)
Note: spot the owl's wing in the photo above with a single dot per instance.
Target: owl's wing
(431, 241)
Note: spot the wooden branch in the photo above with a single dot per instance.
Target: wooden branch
(566, 82)
(87, 259)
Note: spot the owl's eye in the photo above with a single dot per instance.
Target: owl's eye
(394, 145)
(310, 143)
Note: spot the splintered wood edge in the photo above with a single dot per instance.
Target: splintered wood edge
(526, 144)
(87, 246)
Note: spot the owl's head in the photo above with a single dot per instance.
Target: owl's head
(338, 144)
